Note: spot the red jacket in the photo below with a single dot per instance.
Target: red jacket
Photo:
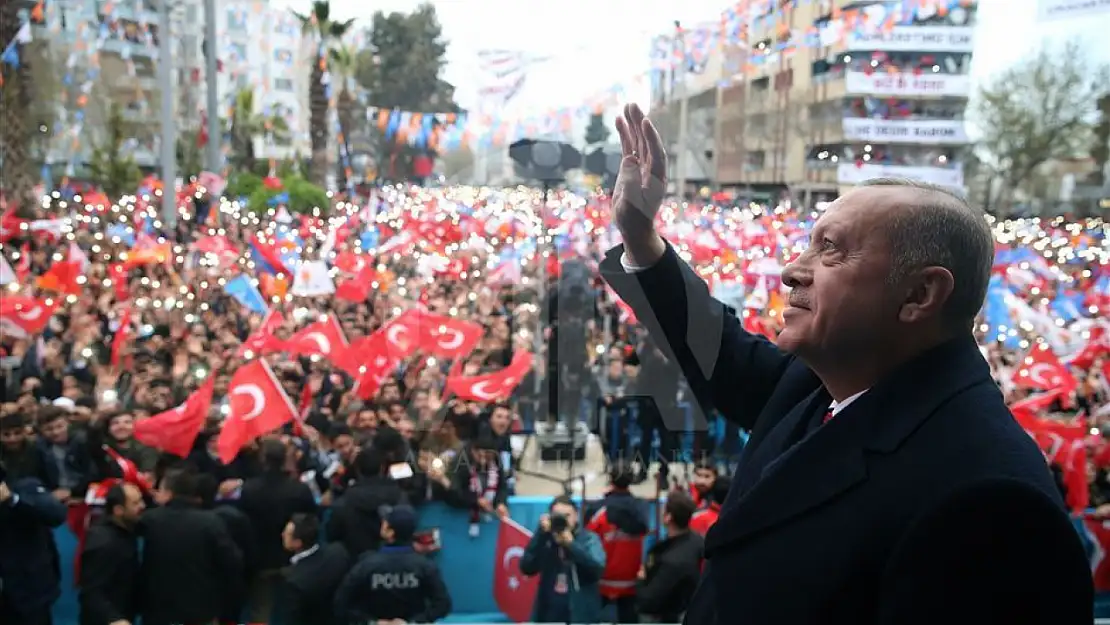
(705, 518)
(621, 523)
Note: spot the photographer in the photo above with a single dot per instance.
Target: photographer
(569, 561)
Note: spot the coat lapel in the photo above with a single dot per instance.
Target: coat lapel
(773, 488)
(804, 476)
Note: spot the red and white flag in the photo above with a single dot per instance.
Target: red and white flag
(513, 592)
(23, 317)
(263, 341)
(174, 431)
(323, 338)
(257, 405)
(1041, 369)
(492, 386)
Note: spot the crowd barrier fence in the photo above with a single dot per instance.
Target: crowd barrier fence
(467, 562)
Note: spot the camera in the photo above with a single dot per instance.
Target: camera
(558, 524)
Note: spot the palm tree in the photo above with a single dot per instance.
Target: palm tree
(319, 28)
(246, 125)
(344, 64)
(16, 99)
(111, 166)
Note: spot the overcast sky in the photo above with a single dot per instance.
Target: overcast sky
(594, 44)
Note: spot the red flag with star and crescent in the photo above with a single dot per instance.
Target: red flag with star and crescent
(492, 386)
(1042, 370)
(256, 405)
(513, 592)
(175, 430)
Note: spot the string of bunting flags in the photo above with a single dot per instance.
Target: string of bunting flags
(449, 131)
(441, 131)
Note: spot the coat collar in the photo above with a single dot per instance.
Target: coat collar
(833, 459)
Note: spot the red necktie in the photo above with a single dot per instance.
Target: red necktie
(828, 416)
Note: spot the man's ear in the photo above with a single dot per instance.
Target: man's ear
(928, 293)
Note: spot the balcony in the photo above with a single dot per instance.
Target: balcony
(136, 48)
(138, 115)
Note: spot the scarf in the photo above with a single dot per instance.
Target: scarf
(488, 492)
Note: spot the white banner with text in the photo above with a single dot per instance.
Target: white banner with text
(853, 173)
(902, 84)
(1069, 9)
(927, 132)
(915, 39)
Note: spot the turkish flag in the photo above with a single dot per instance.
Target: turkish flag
(262, 340)
(492, 386)
(323, 338)
(1098, 533)
(375, 366)
(1098, 345)
(1042, 370)
(447, 337)
(257, 405)
(513, 592)
(121, 336)
(23, 317)
(175, 430)
(61, 278)
(403, 333)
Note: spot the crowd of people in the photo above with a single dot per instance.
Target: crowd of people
(268, 399)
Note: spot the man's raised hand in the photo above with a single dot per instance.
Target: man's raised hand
(640, 187)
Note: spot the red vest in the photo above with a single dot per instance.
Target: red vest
(705, 518)
(624, 555)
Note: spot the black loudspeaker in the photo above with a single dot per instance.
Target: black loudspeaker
(560, 443)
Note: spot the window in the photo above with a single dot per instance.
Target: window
(754, 160)
(237, 19)
(237, 52)
(283, 84)
(283, 57)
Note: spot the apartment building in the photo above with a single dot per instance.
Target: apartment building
(109, 51)
(844, 107)
(104, 55)
(826, 103)
(261, 49)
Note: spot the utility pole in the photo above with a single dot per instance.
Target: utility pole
(683, 113)
(211, 82)
(169, 126)
(718, 135)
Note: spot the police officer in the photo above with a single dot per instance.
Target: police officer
(394, 584)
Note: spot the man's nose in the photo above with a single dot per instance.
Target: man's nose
(796, 273)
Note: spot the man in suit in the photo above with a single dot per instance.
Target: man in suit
(313, 576)
(884, 481)
(190, 563)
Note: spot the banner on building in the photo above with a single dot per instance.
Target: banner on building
(915, 39)
(907, 84)
(853, 173)
(927, 132)
(1068, 9)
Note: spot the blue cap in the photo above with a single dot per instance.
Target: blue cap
(402, 520)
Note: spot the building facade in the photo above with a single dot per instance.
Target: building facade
(261, 49)
(108, 53)
(826, 103)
